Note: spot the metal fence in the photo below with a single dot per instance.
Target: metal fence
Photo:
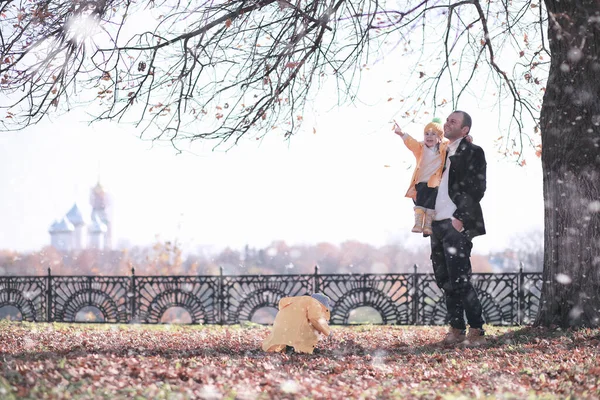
(399, 299)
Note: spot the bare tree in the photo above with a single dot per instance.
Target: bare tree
(224, 69)
(202, 70)
(233, 68)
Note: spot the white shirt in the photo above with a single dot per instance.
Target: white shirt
(444, 207)
(430, 163)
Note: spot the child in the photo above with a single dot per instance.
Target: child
(428, 173)
(299, 321)
(430, 155)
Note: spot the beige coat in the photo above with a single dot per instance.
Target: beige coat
(417, 148)
(297, 324)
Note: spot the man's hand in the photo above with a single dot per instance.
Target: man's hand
(469, 138)
(457, 224)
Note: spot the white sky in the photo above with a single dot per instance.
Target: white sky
(346, 181)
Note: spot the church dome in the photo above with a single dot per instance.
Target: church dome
(74, 215)
(62, 226)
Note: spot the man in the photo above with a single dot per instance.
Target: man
(458, 219)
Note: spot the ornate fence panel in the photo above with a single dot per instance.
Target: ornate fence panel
(243, 295)
(431, 307)
(153, 295)
(392, 299)
(497, 295)
(27, 294)
(530, 290)
(390, 294)
(104, 297)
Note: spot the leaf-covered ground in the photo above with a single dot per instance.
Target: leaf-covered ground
(212, 362)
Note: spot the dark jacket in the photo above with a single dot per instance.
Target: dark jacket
(466, 186)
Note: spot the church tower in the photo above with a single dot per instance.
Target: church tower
(96, 234)
(100, 203)
(76, 218)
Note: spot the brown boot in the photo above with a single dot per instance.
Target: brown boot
(419, 218)
(453, 337)
(475, 338)
(429, 214)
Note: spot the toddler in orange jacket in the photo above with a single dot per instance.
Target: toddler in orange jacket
(430, 154)
(298, 323)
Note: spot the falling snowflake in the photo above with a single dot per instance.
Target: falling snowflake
(563, 279)
(594, 206)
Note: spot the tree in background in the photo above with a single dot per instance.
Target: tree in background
(529, 250)
(225, 70)
(163, 258)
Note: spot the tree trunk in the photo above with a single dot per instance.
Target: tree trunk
(570, 127)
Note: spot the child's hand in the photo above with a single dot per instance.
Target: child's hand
(397, 129)
(469, 138)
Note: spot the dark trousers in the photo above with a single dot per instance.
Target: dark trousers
(450, 252)
(425, 196)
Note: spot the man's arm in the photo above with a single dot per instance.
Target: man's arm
(478, 177)
(473, 186)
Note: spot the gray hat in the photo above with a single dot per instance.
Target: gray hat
(322, 299)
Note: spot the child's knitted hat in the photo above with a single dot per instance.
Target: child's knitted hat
(322, 299)
(436, 126)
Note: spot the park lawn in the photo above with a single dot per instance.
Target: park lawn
(212, 362)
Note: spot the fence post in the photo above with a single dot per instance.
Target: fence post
(221, 298)
(131, 294)
(521, 295)
(363, 284)
(49, 296)
(316, 288)
(415, 296)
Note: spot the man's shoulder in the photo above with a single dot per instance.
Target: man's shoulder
(465, 145)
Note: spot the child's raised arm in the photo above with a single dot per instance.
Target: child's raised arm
(397, 129)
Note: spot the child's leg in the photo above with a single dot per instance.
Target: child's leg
(422, 191)
(429, 214)
(428, 197)
(419, 218)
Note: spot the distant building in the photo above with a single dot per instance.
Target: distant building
(99, 201)
(97, 233)
(61, 234)
(74, 216)
(70, 233)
